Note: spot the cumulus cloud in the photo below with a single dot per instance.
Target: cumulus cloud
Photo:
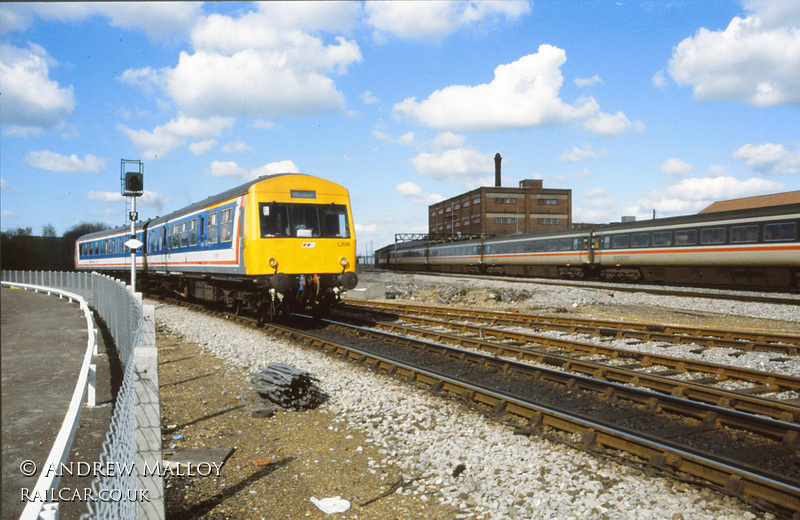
(414, 192)
(368, 98)
(201, 147)
(238, 146)
(769, 158)
(408, 188)
(7, 213)
(32, 102)
(588, 82)
(145, 78)
(6, 187)
(464, 165)
(693, 194)
(676, 166)
(659, 80)
(148, 198)
(755, 60)
(447, 140)
(434, 21)
(53, 162)
(230, 168)
(522, 94)
(158, 143)
(716, 170)
(159, 20)
(578, 154)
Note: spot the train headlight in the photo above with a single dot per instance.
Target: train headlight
(343, 261)
(273, 262)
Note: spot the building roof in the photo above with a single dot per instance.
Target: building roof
(761, 201)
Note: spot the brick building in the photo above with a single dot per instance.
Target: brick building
(501, 210)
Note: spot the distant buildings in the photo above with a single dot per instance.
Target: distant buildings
(499, 210)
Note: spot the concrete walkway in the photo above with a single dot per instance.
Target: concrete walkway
(43, 342)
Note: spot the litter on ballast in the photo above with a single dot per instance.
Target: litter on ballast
(331, 505)
(177, 437)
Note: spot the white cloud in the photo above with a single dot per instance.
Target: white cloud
(50, 161)
(769, 158)
(588, 82)
(676, 166)
(368, 98)
(447, 140)
(659, 80)
(596, 193)
(433, 21)
(366, 228)
(7, 213)
(716, 170)
(261, 123)
(32, 102)
(464, 165)
(201, 147)
(579, 176)
(145, 78)
(380, 135)
(522, 94)
(4, 186)
(158, 20)
(406, 139)
(158, 143)
(693, 194)
(148, 198)
(238, 146)
(408, 189)
(230, 168)
(578, 154)
(755, 60)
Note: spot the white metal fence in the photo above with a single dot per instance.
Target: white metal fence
(135, 419)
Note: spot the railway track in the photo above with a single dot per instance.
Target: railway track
(632, 287)
(503, 388)
(788, 344)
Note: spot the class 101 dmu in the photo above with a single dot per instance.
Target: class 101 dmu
(276, 245)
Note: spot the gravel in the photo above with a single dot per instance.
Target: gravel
(505, 476)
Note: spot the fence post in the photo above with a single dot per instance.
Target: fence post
(148, 417)
(91, 390)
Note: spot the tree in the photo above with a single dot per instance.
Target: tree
(19, 232)
(48, 230)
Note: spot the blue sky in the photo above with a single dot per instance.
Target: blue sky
(635, 106)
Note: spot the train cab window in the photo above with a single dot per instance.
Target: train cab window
(226, 225)
(712, 235)
(213, 228)
(686, 237)
(662, 238)
(744, 234)
(565, 244)
(619, 241)
(193, 232)
(333, 221)
(781, 231)
(305, 221)
(640, 240)
(184, 235)
(274, 220)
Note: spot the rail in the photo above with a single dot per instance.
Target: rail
(133, 437)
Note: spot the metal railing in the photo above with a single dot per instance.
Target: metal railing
(135, 419)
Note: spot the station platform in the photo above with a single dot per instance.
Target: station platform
(44, 340)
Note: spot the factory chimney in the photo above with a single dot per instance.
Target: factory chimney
(497, 160)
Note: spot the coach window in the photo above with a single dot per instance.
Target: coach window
(619, 241)
(686, 238)
(662, 238)
(552, 245)
(712, 235)
(226, 225)
(780, 232)
(193, 232)
(565, 244)
(175, 236)
(213, 227)
(743, 234)
(640, 240)
(184, 235)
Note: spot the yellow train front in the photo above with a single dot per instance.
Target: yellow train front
(278, 244)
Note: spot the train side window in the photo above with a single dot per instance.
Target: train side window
(607, 242)
(193, 232)
(226, 225)
(576, 244)
(686, 238)
(780, 231)
(213, 228)
(712, 235)
(640, 239)
(184, 237)
(565, 244)
(552, 245)
(175, 236)
(662, 238)
(619, 241)
(164, 237)
(740, 234)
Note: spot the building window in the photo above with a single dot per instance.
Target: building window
(448, 209)
(458, 224)
(476, 220)
(476, 200)
(433, 213)
(441, 228)
(549, 221)
(504, 200)
(466, 203)
(505, 220)
(441, 211)
(458, 206)
(549, 202)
